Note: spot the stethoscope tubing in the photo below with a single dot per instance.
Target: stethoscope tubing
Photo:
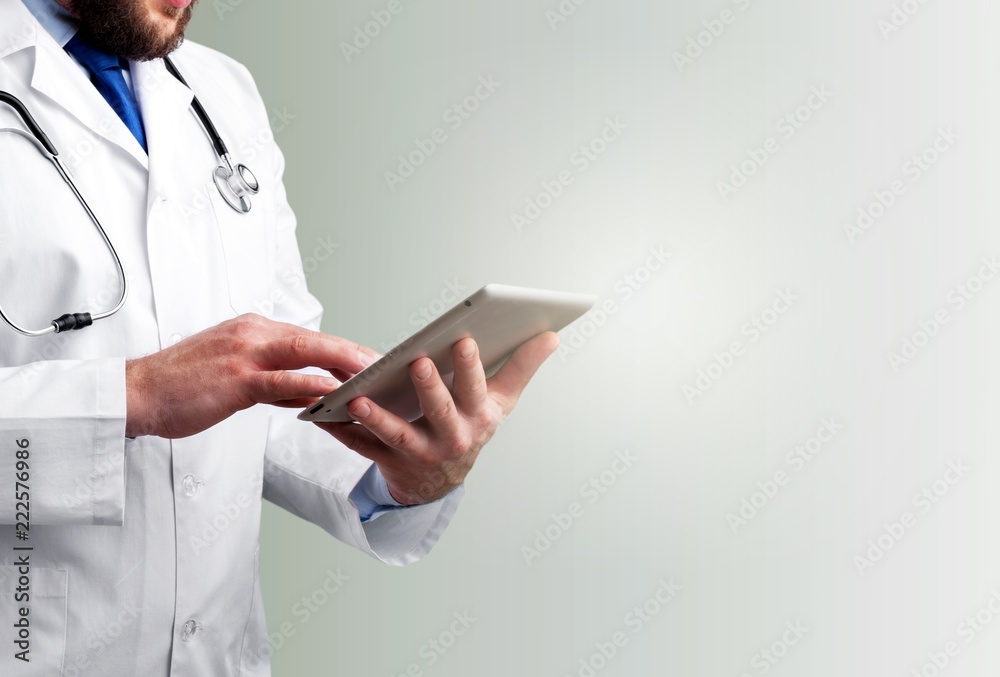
(46, 148)
(239, 180)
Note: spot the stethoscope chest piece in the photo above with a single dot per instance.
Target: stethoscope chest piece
(237, 186)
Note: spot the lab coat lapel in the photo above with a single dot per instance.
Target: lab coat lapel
(54, 74)
(58, 77)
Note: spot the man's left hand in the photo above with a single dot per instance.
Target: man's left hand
(424, 460)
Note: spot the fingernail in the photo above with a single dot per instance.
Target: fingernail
(329, 382)
(424, 371)
(468, 351)
(361, 411)
(369, 360)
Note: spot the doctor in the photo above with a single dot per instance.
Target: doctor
(148, 438)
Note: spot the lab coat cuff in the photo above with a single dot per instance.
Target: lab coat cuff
(71, 415)
(405, 535)
(109, 446)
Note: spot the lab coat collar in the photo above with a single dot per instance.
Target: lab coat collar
(55, 75)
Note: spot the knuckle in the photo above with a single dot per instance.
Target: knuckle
(243, 333)
(265, 386)
(275, 381)
(399, 439)
(354, 443)
(486, 420)
(236, 342)
(427, 460)
(443, 410)
(458, 444)
(299, 344)
(475, 386)
(248, 322)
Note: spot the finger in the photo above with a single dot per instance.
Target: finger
(507, 384)
(358, 439)
(297, 403)
(386, 426)
(435, 399)
(309, 349)
(261, 326)
(278, 386)
(341, 375)
(469, 385)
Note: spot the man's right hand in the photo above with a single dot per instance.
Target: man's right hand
(209, 376)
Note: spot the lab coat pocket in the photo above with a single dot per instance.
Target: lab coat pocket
(248, 247)
(33, 621)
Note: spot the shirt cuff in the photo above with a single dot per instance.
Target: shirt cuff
(371, 495)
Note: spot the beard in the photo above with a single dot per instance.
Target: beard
(124, 28)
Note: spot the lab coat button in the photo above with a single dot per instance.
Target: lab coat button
(176, 338)
(191, 485)
(190, 628)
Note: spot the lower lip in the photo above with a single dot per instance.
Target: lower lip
(179, 4)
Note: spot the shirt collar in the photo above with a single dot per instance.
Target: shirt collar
(54, 18)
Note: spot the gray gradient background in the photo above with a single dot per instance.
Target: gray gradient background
(666, 517)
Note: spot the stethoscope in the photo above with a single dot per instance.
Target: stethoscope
(235, 184)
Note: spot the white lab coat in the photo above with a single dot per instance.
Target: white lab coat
(145, 551)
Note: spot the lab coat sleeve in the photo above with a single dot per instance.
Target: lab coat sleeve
(311, 475)
(70, 416)
(308, 472)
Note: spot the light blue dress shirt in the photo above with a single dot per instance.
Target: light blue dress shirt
(371, 494)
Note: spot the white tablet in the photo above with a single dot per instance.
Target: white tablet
(499, 317)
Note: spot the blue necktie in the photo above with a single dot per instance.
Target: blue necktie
(106, 74)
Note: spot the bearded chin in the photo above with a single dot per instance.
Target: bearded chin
(124, 28)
